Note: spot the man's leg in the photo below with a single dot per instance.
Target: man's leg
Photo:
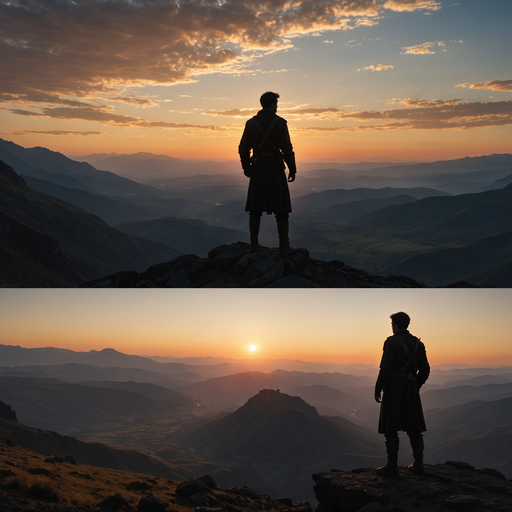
(282, 230)
(391, 468)
(254, 229)
(416, 439)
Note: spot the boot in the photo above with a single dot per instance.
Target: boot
(254, 229)
(284, 242)
(417, 452)
(391, 468)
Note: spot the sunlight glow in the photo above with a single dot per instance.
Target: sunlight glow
(252, 348)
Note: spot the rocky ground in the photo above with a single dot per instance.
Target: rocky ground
(233, 266)
(31, 481)
(444, 488)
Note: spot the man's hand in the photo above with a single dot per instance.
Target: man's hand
(378, 395)
(247, 172)
(291, 177)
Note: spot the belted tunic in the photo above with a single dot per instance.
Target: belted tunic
(401, 404)
(268, 186)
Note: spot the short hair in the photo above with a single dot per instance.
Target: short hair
(268, 99)
(401, 320)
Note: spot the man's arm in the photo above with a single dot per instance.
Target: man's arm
(386, 367)
(285, 145)
(423, 366)
(244, 150)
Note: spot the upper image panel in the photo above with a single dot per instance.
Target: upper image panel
(234, 144)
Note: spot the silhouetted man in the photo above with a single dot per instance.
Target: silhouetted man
(267, 135)
(404, 369)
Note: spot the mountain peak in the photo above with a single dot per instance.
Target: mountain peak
(270, 401)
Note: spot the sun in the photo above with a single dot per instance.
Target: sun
(252, 348)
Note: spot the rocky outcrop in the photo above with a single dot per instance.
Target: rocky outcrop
(6, 413)
(444, 487)
(233, 266)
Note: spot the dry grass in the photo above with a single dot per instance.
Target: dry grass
(76, 485)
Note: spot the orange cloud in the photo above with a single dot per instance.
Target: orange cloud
(133, 101)
(57, 132)
(378, 67)
(54, 51)
(411, 5)
(423, 49)
(492, 85)
(417, 115)
(107, 118)
(431, 115)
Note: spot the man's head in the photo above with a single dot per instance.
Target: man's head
(400, 320)
(269, 99)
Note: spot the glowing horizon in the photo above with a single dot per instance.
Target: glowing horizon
(381, 79)
(345, 326)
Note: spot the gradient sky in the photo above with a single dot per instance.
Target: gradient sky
(329, 325)
(359, 79)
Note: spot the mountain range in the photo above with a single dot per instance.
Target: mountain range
(280, 425)
(398, 227)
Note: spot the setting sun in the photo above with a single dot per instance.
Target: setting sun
(252, 348)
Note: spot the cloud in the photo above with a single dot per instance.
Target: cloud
(412, 5)
(423, 49)
(106, 117)
(492, 85)
(58, 51)
(429, 115)
(57, 132)
(378, 67)
(414, 114)
(133, 101)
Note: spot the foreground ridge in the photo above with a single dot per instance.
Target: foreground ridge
(233, 266)
(444, 487)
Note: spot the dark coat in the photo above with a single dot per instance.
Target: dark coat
(268, 186)
(401, 405)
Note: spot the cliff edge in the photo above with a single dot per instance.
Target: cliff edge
(444, 487)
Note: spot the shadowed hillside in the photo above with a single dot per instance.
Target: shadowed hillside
(46, 242)
(59, 405)
(275, 427)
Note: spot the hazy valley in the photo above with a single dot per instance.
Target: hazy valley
(68, 222)
(270, 423)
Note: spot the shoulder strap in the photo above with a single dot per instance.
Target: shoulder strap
(411, 356)
(265, 135)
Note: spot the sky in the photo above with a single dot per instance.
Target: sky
(345, 326)
(358, 79)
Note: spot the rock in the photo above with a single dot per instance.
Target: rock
(362, 490)
(190, 487)
(179, 280)
(114, 502)
(6, 413)
(151, 503)
(492, 472)
(233, 266)
(137, 486)
(197, 499)
(208, 480)
(39, 471)
(60, 460)
(462, 503)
